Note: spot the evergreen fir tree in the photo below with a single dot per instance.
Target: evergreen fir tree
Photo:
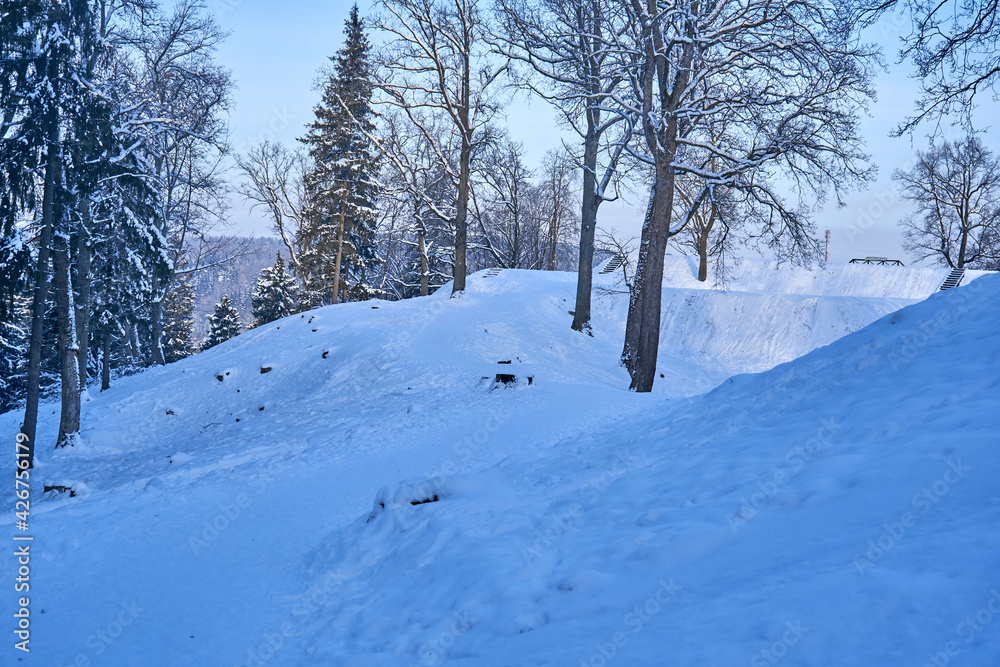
(52, 125)
(20, 144)
(129, 258)
(275, 295)
(14, 355)
(223, 324)
(178, 321)
(336, 240)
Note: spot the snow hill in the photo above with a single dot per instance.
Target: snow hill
(344, 488)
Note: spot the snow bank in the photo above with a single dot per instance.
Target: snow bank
(831, 279)
(227, 508)
(839, 509)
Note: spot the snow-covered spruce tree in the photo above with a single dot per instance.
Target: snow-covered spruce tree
(49, 111)
(275, 295)
(28, 135)
(13, 355)
(129, 257)
(120, 253)
(336, 239)
(223, 324)
(18, 157)
(178, 320)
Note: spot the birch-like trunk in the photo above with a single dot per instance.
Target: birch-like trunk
(588, 227)
(424, 263)
(156, 324)
(340, 249)
(82, 292)
(53, 173)
(69, 419)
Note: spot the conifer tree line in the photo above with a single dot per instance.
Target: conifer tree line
(223, 324)
(112, 125)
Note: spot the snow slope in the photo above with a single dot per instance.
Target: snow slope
(767, 314)
(840, 509)
(217, 519)
(837, 280)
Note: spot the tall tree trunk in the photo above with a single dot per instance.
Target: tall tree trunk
(462, 214)
(156, 324)
(703, 256)
(964, 244)
(340, 250)
(588, 226)
(654, 245)
(554, 227)
(642, 335)
(105, 362)
(465, 162)
(424, 263)
(82, 291)
(133, 343)
(631, 346)
(53, 173)
(69, 420)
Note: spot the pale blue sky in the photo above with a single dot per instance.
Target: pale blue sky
(275, 50)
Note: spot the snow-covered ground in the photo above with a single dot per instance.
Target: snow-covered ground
(838, 509)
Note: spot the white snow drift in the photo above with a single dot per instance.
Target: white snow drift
(369, 500)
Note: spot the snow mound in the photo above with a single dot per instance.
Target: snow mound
(222, 509)
(838, 509)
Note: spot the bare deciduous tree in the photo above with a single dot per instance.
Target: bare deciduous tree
(956, 190)
(708, 231)
(557, 190)
(434, 60)
(274, 180)
(420, 195)
(566, 43)
(508, 225)
(953, 46)
(788, 80)
(185, 95)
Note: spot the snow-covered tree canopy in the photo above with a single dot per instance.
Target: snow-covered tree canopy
(275, 294)
(224, 324)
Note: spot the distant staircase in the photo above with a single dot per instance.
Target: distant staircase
(493, 272)
(612, 266)
(954, 279)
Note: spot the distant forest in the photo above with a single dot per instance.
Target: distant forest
(235, 278)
